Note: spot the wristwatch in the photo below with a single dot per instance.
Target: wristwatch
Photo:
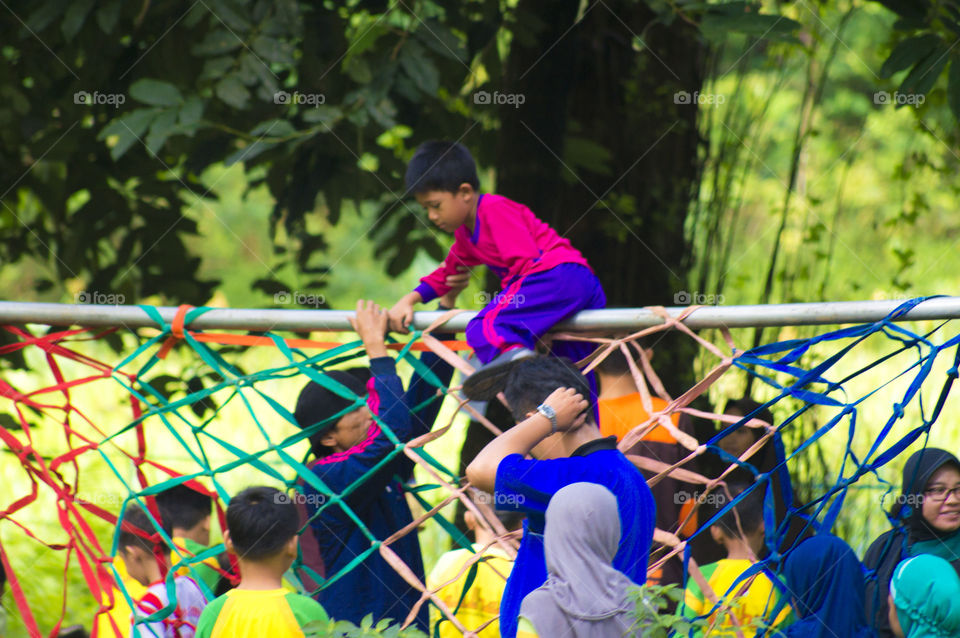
(551, 414)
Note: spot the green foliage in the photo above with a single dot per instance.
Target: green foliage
(345, 629)
(720, 20)
(650, 617)
(927, 32)
(132, 103)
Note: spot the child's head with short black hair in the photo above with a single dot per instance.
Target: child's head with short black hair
(187, 511)
(141, 545)
(262, 526)
(440, 165)
(510, 519)
(532, 380)
(135, 520)
(725, 530)
(443, 178)
(744, 406)
(614, 364)
(317, 405)
(737, 442)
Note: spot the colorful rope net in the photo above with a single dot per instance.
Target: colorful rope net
(82, 457)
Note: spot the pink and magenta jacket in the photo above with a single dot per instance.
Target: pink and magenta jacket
(508, 238)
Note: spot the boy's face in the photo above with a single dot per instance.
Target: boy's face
(202, 531)
(740, 440)
(449, 211)
(137, 561)
(350, 430)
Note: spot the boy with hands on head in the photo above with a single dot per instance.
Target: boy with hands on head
(556, 428)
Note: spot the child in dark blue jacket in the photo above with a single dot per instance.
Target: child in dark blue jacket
(351, 445)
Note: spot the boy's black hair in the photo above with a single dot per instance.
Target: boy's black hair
(440, 165)
(261, 520)
(136, 517)
(615, 363)
(532, 380)
(316, 404)
(183, 506)
(744, 406)
(750, 509)
(510, 519)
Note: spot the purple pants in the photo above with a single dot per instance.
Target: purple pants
(530, 306)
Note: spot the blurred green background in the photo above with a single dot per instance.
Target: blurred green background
(790, 178)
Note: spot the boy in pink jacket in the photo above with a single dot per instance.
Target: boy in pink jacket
(544, 278)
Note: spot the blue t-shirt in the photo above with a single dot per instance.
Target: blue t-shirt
(527, 486)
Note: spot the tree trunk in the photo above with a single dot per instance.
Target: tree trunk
(626, 212)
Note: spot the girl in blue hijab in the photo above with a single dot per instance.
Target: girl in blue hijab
(825, 580)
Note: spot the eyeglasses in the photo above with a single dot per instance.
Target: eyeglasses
(939, 493)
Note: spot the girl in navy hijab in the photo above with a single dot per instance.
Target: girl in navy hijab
(825, 580)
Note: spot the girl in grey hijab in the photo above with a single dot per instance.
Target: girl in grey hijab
(584, 596)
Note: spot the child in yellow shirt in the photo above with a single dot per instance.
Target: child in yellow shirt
(481, 603)
(754, 598)
(262, 526)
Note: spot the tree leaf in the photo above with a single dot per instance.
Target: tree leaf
(129, 129)
(908, 52)
(216, 43)
(74, 18)
(383, 112)
(419, 68)
(248, 152)
(163, 126)
(738, 18)
(273, 128)
(155, 92)
(191, 112)
(953, 86)
(233, 92)
(442, 40)
(44, 15)
(915, 10)
(358, 70)
(228, 15)
(107, 16)
(217, 67)
(270, 286)
(329, 115)
(923, 76)
(8, 423)
(273, 50)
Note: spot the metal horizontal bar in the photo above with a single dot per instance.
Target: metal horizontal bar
(609, 320)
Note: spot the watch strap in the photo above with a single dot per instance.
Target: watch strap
(551, 414)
